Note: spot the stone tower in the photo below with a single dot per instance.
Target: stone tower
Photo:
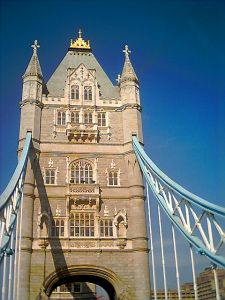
(83, 217)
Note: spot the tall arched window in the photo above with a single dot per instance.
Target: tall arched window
(75, 92)
(82, 224)
(87, 93)
(75, 117)
(81, 172)
(61, 118)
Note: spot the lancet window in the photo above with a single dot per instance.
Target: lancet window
(61, 118)
(81, 172)
(106, 228)
(75, 117)
(82, 224)
(88, 118)
(57, 228)
(102, 119)
(75, 92)
(87, 93)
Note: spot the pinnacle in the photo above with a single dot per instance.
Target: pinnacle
(128, 73)
(34, 67)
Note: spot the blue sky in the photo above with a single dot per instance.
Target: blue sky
(178, 52)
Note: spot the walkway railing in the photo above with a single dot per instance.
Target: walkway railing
(199, 221)
(9, 209)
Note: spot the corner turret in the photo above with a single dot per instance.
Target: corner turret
(128, 82)
(129, 93)
(33, 78)
(31, 103)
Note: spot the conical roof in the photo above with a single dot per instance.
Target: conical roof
(128, 73)
(34, 67)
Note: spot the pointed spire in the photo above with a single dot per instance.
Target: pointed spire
(34, 67)
(128, 73)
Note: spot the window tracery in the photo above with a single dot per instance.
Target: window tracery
(88, 118)
(113, 175)
(57, 228)
(61, 118)
(102, 119)
(88, 92)
(75, 92)
(50, 176)
(75, 117)
(82, 224)
(106, 228)
(81, 172)
(113, 178)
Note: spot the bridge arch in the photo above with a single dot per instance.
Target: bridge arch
(111, 282)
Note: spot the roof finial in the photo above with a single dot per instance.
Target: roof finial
(79, 43)
(80, 33)
(35, 46)
(126, 51)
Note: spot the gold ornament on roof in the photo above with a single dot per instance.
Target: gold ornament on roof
(79, 43)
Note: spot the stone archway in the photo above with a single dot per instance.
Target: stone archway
(107, 279)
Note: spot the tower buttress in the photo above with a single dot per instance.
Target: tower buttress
(31, 103)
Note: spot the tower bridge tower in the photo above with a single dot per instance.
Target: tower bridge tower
(83, 217)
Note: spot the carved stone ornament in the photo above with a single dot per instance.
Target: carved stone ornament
(84, 244)
(112, 165)
(83, 203)
(124, 294)
(58, 211)
(106, 211)
(121, 243)
(50, 163)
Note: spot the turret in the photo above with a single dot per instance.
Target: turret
(33, 78)
(32, 96)
(129, 93)
(128, 82)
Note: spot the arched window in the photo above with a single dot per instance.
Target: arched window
(88, 118)
(113, 178)
(57, 228)
(61, 118)
(82, 224)
(87, 93)
(75, 117)
(75, 92)
(81, 172)
(106, 228)
(101, 119)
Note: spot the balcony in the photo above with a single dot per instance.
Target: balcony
(82, 132)
(83, 189)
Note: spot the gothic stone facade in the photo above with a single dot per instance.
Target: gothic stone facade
(83, 210)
